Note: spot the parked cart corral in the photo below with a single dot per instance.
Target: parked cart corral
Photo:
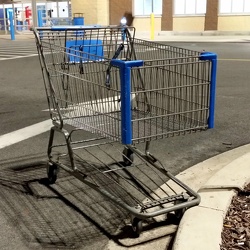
(102, 81)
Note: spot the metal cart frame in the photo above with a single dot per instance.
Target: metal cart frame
(178, 98)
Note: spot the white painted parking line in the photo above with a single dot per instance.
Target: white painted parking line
(16, 57)
(24, 133)
(15, 50)
(105, 105)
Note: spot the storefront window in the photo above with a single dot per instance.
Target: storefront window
(234, 6)
(146, 7)
(190, 7)
(53, 13)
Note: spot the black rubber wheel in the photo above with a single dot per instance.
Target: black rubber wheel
(128, 156)
(52, 171)
(137, 226)
(179, 213)
(108, 80)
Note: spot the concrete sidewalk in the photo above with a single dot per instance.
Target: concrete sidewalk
(217, 180)
(168, 36)
(196, 36)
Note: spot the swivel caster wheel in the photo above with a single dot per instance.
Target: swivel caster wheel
(180, 212)
(128, 156)
(52, 171)
(137, 226)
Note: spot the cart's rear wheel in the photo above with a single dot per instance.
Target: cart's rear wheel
(52, 171)
(180, 212)
(137, 226)
(128, 156)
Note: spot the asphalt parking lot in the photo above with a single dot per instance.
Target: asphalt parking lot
(67, 215)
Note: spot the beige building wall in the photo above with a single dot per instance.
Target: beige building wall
(103, 12)
(188, 23)
(234, 23)
(94, 11)
(143, 23)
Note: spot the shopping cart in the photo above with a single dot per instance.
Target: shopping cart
(109, 95)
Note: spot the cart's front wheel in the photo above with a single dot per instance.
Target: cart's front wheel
(128, 156)
(137, 226)
(52, 171)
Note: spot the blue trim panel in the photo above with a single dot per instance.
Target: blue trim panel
(126, 114)
(213, 58)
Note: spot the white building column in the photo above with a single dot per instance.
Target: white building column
(34, 13)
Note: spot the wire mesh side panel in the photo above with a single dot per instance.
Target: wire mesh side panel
(75, 79)
(147, 50)
(171, 97)
(170, 92)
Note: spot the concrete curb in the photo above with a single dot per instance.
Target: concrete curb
(202, 225)
(198, 175)
(235, 175)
